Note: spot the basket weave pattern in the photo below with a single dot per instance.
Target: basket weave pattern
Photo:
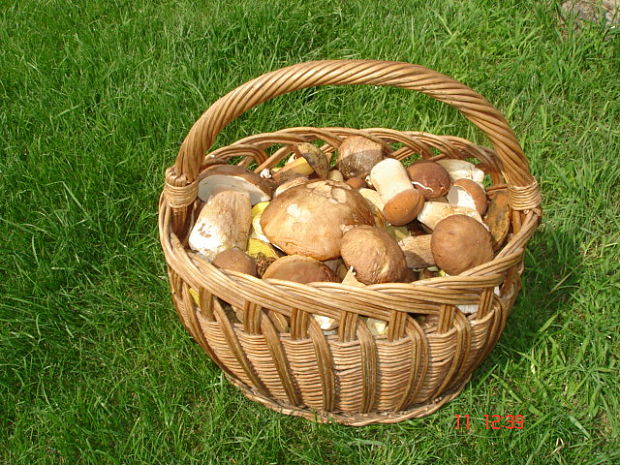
(352, 377)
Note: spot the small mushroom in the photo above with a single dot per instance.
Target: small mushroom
(374, 255)
(434, 211)
(357, 155)
(315, 157)
(430, 178)
(290, 183)
(467, 193)
(461, 169)
(402, 202)
(335, 175)
(417, 251)
(235, 260)
(310, 219)
(498, 218)
(223, 223)
(357, 183)
(299, 269)
(459, 243)
(219, 178)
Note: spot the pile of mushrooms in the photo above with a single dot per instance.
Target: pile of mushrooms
(368, 220)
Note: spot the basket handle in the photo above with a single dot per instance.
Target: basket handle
(523, 188)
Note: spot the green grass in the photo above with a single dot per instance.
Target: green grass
(95, 98)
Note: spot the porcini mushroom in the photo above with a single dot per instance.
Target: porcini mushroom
(374, 255)
(467, 193)
(223, 223)
(461, 169)
(310, 219)
(290, 183)
(235, 260)
(417, 251)
(430, 178)
(402, 202)
(459, 243)
(434, 211)
(357, 155)
(299, 269)
(219, 178)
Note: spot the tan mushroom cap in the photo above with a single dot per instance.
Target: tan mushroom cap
(357, 183)
(232, 177)
(476, 192)
(357, 155)
(403, 207)
(459, 243)
(430, 178)
(235, 260)
(374, 255)
(310, 219)
(300, 269)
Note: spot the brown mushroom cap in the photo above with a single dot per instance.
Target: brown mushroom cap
(315, 157)
(430, 178)
(476, 192)
(235, 260)
(374, 255)
(300, 269)
(232, 177)
(459, 243)
(310, 219)
(357, 155)
(357, 183)
(403, 207)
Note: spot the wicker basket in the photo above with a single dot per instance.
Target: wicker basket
(350, 377)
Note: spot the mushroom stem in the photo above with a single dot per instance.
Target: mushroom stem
(417, 251)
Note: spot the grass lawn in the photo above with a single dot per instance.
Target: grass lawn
(95, 99)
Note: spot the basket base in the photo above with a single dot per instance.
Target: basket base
(351, 419)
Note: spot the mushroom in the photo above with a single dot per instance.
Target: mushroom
(459, 243)
(357, 183)
(461, 169)
(430, 178)
(401, 201)
(218, 178)
(467, 193)
(299, 269)
(374, 255)
(290, 183)
(335, 175)
(376, 205)
(311, 160)
(310, 219)
(498, 218)
(263, 252)
(357, 155)
(417, 251)
(223, 223)
(235, 260)
(434, 211)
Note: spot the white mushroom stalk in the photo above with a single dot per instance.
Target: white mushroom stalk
(418, 253)
(224, 223)
(434, 211)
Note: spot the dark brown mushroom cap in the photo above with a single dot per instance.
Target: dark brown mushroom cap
(232, 177)
(235, 260)
(403, 207)
(310, 219)
(374, 255)
(430, 178)
(459, 243)
(315, 157)
(300, 269)
(357, 155)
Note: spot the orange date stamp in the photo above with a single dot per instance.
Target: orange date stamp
(491, 421)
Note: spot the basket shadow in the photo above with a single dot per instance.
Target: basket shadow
(553, 268)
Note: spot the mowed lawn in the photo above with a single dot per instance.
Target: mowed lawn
(95, 99)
